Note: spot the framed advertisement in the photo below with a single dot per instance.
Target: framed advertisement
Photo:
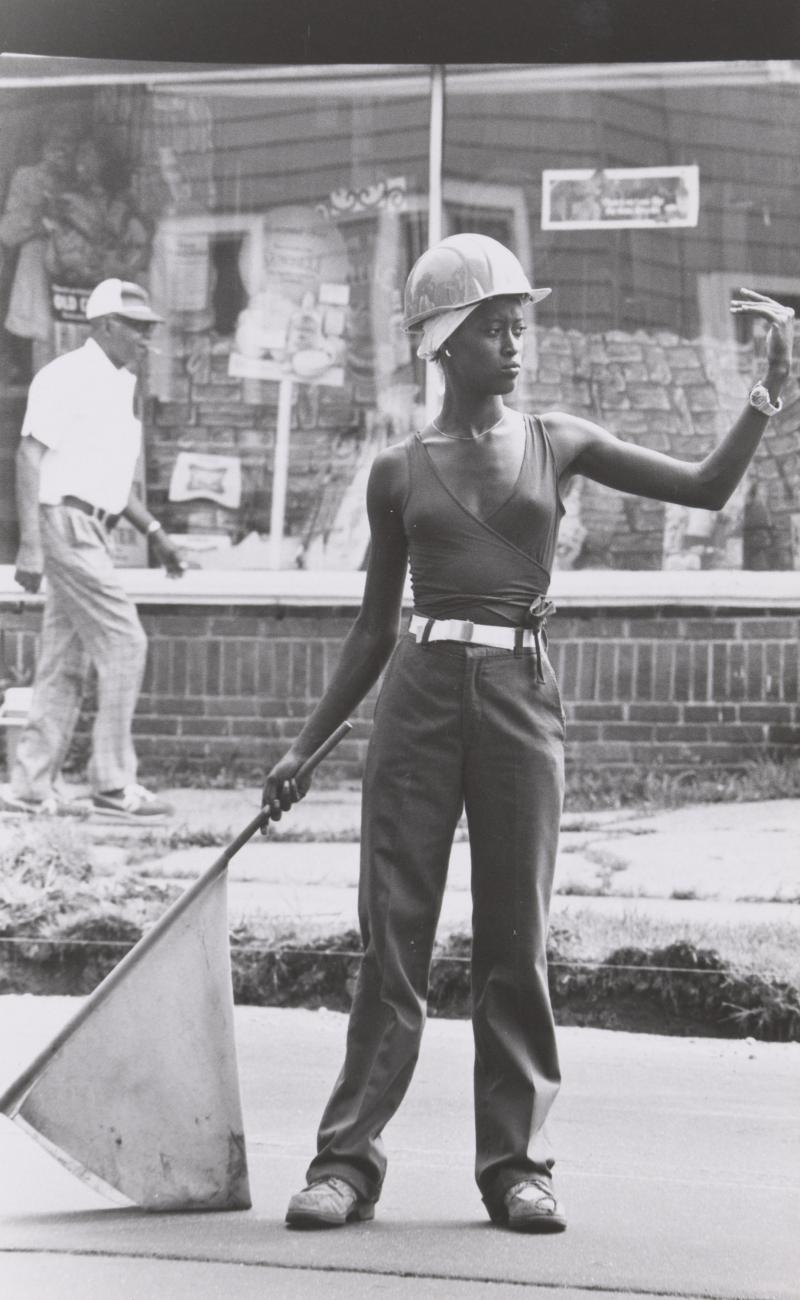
(620, 198)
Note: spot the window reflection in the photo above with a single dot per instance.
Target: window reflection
(645, 196)
(274, 217)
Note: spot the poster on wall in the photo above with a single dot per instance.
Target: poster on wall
(620, 198)
(209, 477)
(294, 268)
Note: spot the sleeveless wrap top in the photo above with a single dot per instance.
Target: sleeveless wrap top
(491, 569)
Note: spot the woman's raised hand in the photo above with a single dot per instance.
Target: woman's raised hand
(780, 334)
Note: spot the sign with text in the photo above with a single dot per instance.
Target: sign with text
(620, 198)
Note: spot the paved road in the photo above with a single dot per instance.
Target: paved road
(678, 1160)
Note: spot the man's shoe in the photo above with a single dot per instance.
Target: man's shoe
(531, 1206)
(52, 805)
(329, 1203)
(133, 803)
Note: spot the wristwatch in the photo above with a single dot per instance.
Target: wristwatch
(155, 527)
(761, 401)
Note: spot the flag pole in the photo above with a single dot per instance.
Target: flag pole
(14, 1096)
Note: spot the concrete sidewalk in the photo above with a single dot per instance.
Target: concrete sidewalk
(723, 862)
(677, 1159)
(713, 863)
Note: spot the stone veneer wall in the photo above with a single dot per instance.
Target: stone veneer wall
(659, 390)
(676, 396)
(679, 687)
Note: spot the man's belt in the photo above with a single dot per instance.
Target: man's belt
(97, 512)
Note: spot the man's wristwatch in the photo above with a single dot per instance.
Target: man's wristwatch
(761, 401)
(153, 527)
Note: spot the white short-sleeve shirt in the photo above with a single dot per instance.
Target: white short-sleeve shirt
(81, 407)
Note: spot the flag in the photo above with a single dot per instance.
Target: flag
(139, 1093)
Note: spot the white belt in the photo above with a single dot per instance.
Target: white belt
(458, 629)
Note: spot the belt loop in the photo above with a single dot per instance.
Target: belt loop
(519, 640)
(426, 631)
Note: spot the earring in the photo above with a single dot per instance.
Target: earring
(447, 352)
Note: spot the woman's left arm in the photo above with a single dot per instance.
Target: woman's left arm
(585, 448)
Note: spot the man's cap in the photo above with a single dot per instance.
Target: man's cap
(120, 298)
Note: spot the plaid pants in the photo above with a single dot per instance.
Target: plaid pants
(455, 725)
(88, 619)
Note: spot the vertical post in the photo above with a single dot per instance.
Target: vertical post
(280, 472)
(435, 207)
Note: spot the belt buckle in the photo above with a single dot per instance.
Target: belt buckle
(467, 631)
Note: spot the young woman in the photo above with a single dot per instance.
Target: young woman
(469, 715)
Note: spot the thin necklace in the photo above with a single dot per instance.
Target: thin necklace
(459, 437)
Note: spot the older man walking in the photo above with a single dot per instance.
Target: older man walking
(81, 439)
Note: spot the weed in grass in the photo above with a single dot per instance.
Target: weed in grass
(43, 869)
(47, 879)
(46, 852)
(778, 897)
(764, 1008)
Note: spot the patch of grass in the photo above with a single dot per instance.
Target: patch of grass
(579, 889)
(227, 774)
(47, 881)
(765, 948)
(677, 988)
(154, 843)
(588, 789)
(44, 869)
(595, 788)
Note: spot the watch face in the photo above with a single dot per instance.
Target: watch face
(760, 399)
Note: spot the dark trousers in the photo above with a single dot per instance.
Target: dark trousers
(455, 726)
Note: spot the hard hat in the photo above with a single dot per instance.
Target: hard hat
(459, 272)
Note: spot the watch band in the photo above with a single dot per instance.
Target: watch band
(761, 401)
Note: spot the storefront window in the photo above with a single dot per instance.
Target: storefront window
(274, 220)
(645, 197)
(274, 215)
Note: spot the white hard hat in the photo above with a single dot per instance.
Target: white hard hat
(461, 271)
(120, 298)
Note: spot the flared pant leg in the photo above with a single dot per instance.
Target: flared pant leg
(513, 793)
(412, 799)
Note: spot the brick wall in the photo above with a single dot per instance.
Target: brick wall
(231, 685)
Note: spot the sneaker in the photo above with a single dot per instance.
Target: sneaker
(133, 802)
(329, 1203)
(52, 805)
(530, 1206)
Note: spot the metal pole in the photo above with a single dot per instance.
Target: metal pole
(435, 207)
(280, 472)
